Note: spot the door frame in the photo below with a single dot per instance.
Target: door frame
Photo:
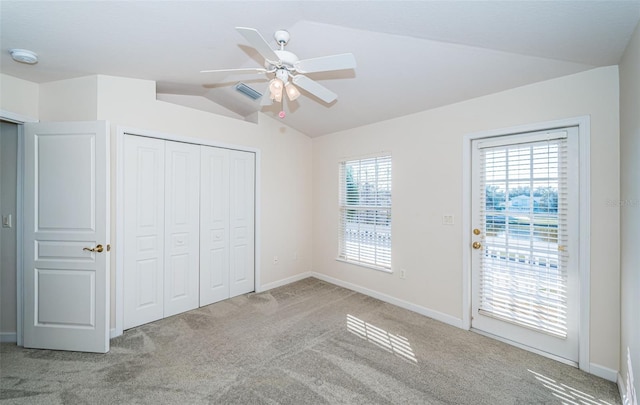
(584, 135)
(20, 120)
(121, 131)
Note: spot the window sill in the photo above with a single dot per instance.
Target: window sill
(369, 266)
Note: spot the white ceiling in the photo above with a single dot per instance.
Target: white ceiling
(411, 55)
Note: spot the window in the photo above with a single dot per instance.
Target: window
(365, 212)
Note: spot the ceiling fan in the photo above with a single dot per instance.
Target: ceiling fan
(285, 65)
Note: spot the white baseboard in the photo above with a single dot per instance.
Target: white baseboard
(284, 281)
(113, 333)
(8, 337)
(438, 316)
(622, 389)
(603, 372)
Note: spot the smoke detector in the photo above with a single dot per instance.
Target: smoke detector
(24, 56)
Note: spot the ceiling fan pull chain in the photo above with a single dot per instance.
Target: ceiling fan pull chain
(282, 114)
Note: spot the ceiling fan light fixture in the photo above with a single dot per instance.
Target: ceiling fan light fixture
(292, 91)
(275, 87)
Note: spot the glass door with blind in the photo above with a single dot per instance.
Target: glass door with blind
(525, 240)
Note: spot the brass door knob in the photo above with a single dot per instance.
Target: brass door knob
(476, 245)
(97, 249)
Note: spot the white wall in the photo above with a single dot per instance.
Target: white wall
(630, 206)
(69, 100)
(8, 194)
(427, 153)
(19, 96)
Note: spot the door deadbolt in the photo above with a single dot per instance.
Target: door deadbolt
(476, 231)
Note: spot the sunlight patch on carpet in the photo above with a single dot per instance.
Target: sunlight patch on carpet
(567, 394)
(396, 344)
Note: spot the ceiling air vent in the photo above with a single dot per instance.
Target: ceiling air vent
(248, 91)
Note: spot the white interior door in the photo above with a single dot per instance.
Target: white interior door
(525, 277)
(66, 198)
(144, 230)
(182, 227)
(214, 222)
(241, 222)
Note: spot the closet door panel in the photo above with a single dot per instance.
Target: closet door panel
(214, 223)
(241, 218)
(182, 228)
(144, 197)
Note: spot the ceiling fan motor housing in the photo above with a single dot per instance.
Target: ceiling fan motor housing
(287, 59)
(282, 37)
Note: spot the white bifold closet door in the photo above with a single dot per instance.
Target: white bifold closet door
(241, 222)
(182, 227)
(161, 228)
(227, 224)
(214, 225)
(143, 230)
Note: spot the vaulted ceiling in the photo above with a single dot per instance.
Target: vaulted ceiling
(411, 55)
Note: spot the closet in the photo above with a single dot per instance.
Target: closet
(188, 226)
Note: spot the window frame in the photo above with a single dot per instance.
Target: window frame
(384, 182)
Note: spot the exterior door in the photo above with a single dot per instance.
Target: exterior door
(525, 240)
(66, 236)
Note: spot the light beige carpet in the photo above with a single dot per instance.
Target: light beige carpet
(309, 342)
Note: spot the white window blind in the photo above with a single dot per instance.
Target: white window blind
(524, 214)
(365, 211)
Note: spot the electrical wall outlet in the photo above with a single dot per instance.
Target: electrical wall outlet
(276, 260)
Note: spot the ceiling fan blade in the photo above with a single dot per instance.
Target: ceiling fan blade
(240, 70)
(326, 63)
(258, 42)
(315, 88)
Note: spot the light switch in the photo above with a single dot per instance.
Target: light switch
(6, 221)
(447, 220)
